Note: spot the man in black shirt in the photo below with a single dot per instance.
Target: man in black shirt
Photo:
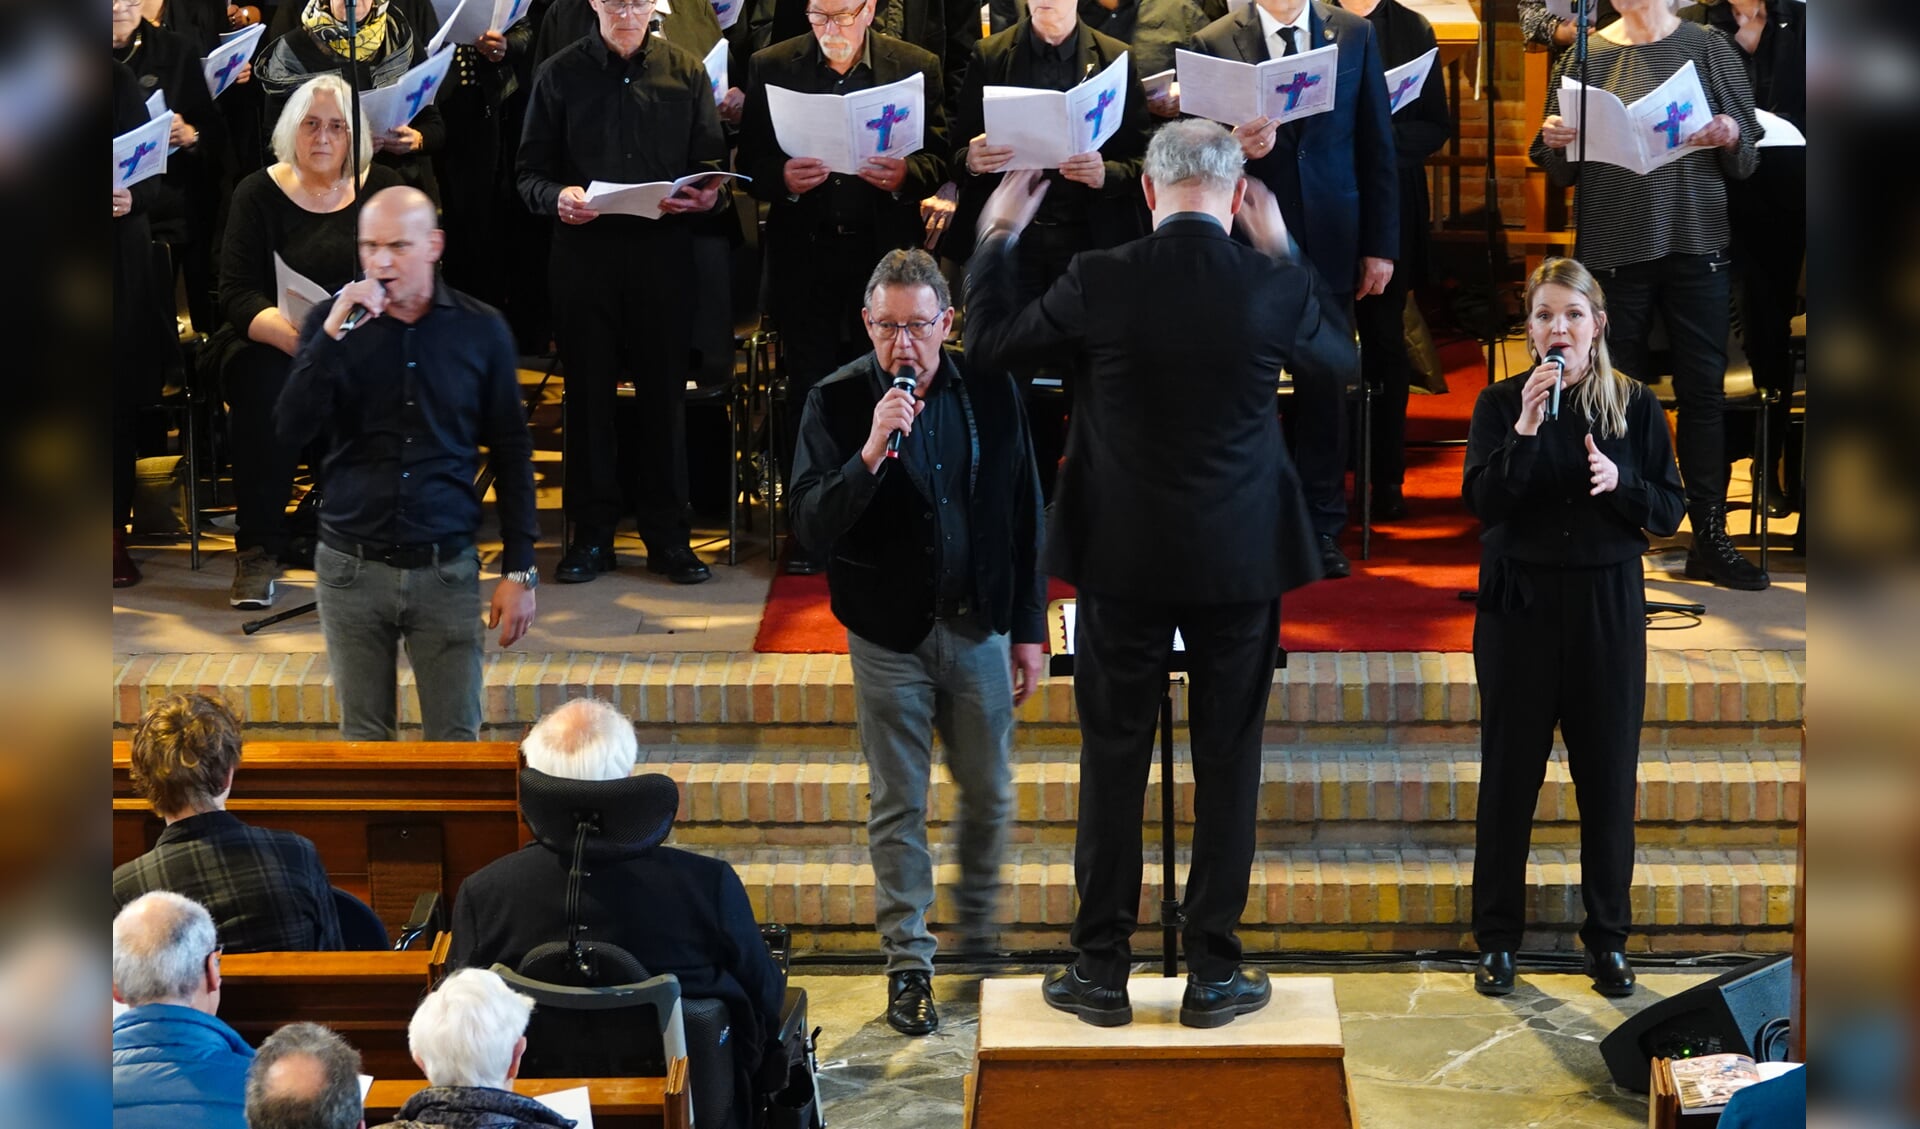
(628, 108)
(825, 229)
(266, 890)
(934, 571)
(406, 395)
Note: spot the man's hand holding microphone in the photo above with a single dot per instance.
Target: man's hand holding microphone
(359, 301)
(893, 417)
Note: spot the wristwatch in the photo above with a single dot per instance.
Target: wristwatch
(528, 578)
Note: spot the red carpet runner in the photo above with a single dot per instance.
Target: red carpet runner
(1404, 599)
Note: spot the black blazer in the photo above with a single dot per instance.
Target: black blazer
(879, 577)
(1001, 60)
(1177, 486)
(1336, 173)
(1778, 71)
(1419, 130)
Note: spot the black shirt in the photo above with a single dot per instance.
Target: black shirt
(405, 409)
(939, 455)
(263, 220)
(848, 198)
(266, 889)
(1532, 492)
(1117, 23)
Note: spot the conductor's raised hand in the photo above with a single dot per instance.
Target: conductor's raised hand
(1256, 137)
(936, 212)
(1089, 169)
(983, 158)
(1259, 216)
(1555, 133)
(573, 207)
(1534, 395)
(1606, 473)
(1014, 203)
(511, 611)
(804, 174)
(700, 196)
(896, 411)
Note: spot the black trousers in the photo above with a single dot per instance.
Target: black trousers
(262, 465)
(621, 311)
(1121, 650)
(472, 203)
(1565, 646)
(1315, 423)
(1769, 245)
(1385, 367)
(818, 282)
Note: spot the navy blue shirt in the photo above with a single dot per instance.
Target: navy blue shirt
(405, 410)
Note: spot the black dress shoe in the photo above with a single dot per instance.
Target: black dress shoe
(1208, 1004)
(583, 562)
(802, 562)
(1612, 975)
(1389, 504)
(1494, 976)
(910, 1009)
(679, 565)
(1065, 989)
(1333, 562)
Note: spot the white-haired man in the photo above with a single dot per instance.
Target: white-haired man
(674, 911)
(174, 1062)
(305, 1077)
(467, 1038)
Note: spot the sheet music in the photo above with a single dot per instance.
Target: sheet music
(1780, 131)
(141, 152)
(295, 293)
(574, 1103)
(1233, 93)
(716, 62)
(471, 19)
(844, 130)
(727, 12)
(1045, 127)
(219, 68)
(1646, 135)
(390, 107)
(643, 200)
(1406, 81)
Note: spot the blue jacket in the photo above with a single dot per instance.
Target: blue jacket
(174, 1066)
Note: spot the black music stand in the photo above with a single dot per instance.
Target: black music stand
(1060, 661)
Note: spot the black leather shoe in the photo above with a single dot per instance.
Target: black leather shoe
(1333, 562)
(1065, 989)
(802, 563)
(1389, 503)
(583, 562)
(1494, 976)
(1612, 975)
(910, 1009)
(679, 565)
(1214, 1005)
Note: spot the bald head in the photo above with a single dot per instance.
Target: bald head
(586, 739)
(304, 1077)
(400, 241)
(404, 203)
(164, 953)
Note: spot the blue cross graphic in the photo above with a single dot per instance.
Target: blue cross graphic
(1677, 112)
(722, 7)
(224, 75)
(1296, 86)
(1099, 111)
(414, 99)
(132, 163)
(1406, 84)
(514, 14)
(889, 117)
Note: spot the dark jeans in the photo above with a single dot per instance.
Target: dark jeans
(1384, 365)
(262, 465)
(1691, 293)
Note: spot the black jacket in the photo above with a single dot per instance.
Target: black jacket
(1419, 130)
(474, 1107)
(1778, 72)
(1177, 486)
(881, 526)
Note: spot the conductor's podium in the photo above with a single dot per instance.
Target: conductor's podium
(1284, 1065)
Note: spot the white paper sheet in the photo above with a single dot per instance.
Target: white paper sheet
(1646, 135)
(141, 152)
(1070, 613)
(1564, 9)
(572, 1103)
(471, 19)
(643, 200)
(845, 129)
(1405, 81)
(1233, 93)
(1780, 131)
(727, 11)
(219, 67)
(1045, 127)
(1157, 84)
(295, 293)
(716, 61)
(366, 1085)
(391, 107)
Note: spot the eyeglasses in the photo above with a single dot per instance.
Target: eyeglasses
(918, 330)
(623, 7)
(837, 19)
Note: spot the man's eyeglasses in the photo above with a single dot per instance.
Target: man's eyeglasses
(623, 7)
(837, 19)
(918, 330)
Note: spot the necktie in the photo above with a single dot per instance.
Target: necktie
(1293, 44)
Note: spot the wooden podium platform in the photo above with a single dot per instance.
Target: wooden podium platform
(1284, 1065)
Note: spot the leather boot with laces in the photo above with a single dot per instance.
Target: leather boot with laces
(1715, 557)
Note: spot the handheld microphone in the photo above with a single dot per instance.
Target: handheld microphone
(1559, 358)
(904, 380)
(355, 316)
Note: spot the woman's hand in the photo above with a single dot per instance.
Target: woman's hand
(1534, 396)
(1606, 473)
(1555, 133)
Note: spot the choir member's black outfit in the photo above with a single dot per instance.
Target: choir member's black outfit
(622, 304)
(263, 220)
(140, 324)
(1419, 130)
(821, 245)
(1152, 29)
(476, 185)
(1560, 637)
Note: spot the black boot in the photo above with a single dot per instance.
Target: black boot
(1714, 556)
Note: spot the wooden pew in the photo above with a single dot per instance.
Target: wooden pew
(391, 819)
(618, 1103)
(368, 997)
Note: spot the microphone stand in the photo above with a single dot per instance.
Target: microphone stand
(1582, 12)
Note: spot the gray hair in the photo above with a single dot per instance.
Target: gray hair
(908, 268)
(586, 739)
(161, 942)
(463, 1034)
(300, 104)
(1194, 149)
(284, 1103)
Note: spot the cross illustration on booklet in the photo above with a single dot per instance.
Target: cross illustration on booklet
(1099, 111)
(1399, 92)
(1296, 86)
(225, 74)
(132, 164)
(889, 117)
(419, 95)
(1677, 112)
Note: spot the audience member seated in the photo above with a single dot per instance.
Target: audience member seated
(174, 1062)
(304, 1077)
(266, 889)
(467, 1038)
(673, 911)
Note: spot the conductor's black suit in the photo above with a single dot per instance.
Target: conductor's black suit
(1178, 507)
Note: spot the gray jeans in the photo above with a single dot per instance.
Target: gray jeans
(957, 682)
(367, 609)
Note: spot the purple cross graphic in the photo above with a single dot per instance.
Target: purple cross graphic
(514, 14)
(225, 74)
(1406, 84)
(1296, 86)
(1677, 112)
(889, 117)
(132, 163)
(1099, 111)
(414, 99)
(722, 7)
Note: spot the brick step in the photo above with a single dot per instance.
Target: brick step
(1341, 899)
(1715, 798)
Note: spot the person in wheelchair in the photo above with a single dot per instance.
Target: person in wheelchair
(598, 901)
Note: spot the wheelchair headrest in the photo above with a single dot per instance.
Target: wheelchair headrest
(624, 818)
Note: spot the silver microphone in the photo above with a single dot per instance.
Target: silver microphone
(1559, 359)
